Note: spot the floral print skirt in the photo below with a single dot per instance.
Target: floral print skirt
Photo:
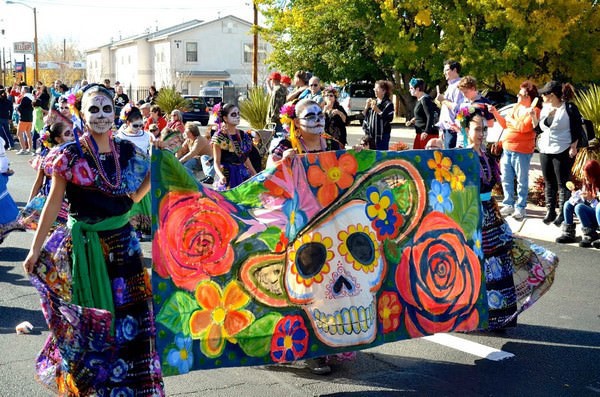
(82, 355)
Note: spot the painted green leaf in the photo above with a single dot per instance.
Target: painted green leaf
(271, 237)
(175, 313)
(466, 209)
(255, 340)
(365, 159)
(173, 175)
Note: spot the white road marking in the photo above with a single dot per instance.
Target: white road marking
(467, 346)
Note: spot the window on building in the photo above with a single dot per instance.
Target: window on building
(262, 52)
(191, 52)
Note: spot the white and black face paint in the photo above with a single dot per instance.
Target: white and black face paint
(233, 117)
(98, 113)
(312, 120)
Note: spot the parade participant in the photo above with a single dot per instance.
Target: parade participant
(496, 235)
(584, 204)
(54, 136)
(518, 142)
(379, 113)
(9, 212)
(97, 296)
(141, 218)
(424, 114)
(231, 149)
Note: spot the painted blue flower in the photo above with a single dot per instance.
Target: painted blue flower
(495, 300)
(478, 243)
(127, 329)
(182, 357)
(506, 235)
(297, 217)
(439, 197)
(118, 372)
(121, 392)
(388, 225)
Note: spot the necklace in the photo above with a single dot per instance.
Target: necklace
(93, 148)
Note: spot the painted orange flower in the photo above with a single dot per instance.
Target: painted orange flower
(389, 310)
(221, 316)
(332, 174)
(441, 165)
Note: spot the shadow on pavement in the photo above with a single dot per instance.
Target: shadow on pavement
(15, 315)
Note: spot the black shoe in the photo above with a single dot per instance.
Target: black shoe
(318, 366)
(209, 180)
(550, 216)
(558, 221)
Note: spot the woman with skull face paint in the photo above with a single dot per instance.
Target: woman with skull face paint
(306, 131)
(231, 149)
(93, 286)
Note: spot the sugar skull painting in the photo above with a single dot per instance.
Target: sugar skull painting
(324, 253)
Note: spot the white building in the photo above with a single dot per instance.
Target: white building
(185, 55)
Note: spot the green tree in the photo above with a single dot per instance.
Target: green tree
(498, 41)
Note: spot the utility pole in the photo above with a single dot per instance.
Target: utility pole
(255, 46)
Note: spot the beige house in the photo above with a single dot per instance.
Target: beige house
(185, 55)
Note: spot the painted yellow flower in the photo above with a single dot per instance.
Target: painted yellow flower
(221, 316)
(441, 165)
(457, 178)
(320, 267)
(360, 247)
(377, 204)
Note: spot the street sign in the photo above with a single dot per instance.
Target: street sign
(19, 67)
(23, 47)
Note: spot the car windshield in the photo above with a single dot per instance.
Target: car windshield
(214, 83)
(361, 91)
(197, 102)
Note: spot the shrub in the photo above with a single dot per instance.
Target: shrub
(254, 109)
(169, 99)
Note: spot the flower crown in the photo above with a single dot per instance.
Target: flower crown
(466, 114)
(287, 113)
(216, 112)
(45, 138)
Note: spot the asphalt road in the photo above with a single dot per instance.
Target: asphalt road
(556, 345)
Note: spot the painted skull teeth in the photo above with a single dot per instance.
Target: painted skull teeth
(347, 321)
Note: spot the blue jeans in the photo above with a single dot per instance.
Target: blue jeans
(450, 138)
(514, 164)
(588, 216)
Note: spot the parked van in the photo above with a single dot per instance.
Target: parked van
(353, 99)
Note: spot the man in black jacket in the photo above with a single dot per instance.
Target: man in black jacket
(6, 109)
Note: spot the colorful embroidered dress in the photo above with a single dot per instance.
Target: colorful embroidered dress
(497, 241)
(30, 215)
(234, 152)
(93, 350)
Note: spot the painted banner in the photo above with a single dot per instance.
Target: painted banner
(324, 254)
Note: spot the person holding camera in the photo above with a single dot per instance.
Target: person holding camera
(379, 113)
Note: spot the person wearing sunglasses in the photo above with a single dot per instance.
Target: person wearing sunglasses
(176, 121)
(315, 93)
(231, 149)
(134, 128)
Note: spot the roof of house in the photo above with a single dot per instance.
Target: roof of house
(165, 33)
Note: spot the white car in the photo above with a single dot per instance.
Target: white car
(493, 133)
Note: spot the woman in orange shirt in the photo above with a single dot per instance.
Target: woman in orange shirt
(518, 142)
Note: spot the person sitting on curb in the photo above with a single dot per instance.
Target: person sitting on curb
(584, 204)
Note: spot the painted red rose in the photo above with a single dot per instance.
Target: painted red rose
(439, 279)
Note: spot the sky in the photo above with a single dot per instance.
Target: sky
(93, 23)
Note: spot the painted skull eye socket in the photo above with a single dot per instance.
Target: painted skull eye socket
(93, 109)
(310, 259)
(361, 247)
(107, 109)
